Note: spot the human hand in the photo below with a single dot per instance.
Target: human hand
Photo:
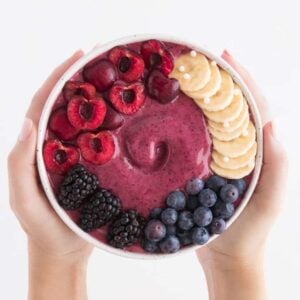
(241, 247)
(53, 248)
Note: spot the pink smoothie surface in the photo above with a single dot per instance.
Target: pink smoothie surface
(158, 149)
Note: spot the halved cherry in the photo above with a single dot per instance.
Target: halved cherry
(61, 126)
(127, 99)
(59, 158)
(86, 114)
(96, 148)
(78, 88)
(157, 56)
(129, 63)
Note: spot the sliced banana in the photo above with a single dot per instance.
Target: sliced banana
(237, 162)
(230, 113)
(222, 98)
(232, 174)
(192, 72)
(233, 125)
(212, 86)
(228, 136)
(236, 147)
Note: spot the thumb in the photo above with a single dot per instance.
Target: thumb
(269, 194)
(22, 172)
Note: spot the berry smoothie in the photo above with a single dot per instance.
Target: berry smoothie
(139, 128)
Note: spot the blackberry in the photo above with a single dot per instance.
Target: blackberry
(101, 208)
(126, 229)
(76, 187)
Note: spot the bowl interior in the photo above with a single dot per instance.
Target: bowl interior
(81, 63)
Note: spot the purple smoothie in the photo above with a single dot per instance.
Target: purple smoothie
(158, 149)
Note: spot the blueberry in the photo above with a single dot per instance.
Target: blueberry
(170, 244)
(169, 216)
(203, 216)
(176, 200)
(223, 210)
(200, 235)
(185, 220)
(208, 197)
(240, 184)
(150, 246)
(192, 202)
(229, 193)
(171, 229)
(155, 213)
(185, 237)
(217, 226)
(155, 231)
(215, 182)
(194, 186)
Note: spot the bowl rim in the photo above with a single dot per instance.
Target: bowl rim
(42, 127)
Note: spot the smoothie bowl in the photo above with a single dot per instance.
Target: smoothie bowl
(149, 146)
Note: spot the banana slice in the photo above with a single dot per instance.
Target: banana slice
(228, 136)
(211, 87)
(236, 147)
(233, 125)
(237, 162)
(222, 98)
(233, 174)
(230, 113)
(192, 71)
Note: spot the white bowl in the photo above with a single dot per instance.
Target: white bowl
(82, 62)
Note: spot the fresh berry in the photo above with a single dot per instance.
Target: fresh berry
(100, 209)
(185, 237)
(170, 244)
(112, 120)
(129, 63)
(169, 216)
(192, 202)
(176, 200)
(185, 220)
(58, 157)
(126, 229)
(215, 182)
(86, 114)
(200, 235)
(155, 213)
(229, 193)
(240, 184)
(76, 187)
(208, 197)
(61, 126)
(155, 231)
(78, 88)
(194, 186)
(162, 88)
(217, 226)
(171, 229)
(223, 210)
(96, 148)
(151, 247)
(101, 74)
(203, 216)
(157, 56)
(127, 99)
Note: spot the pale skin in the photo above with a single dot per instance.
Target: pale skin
(233, 264)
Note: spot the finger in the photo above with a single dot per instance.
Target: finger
(270, 192)
(254, 89)
(42, 94)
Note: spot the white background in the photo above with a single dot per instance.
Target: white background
(264, 35)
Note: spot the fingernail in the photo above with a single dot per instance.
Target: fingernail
(78, 53)
(98, 45)
(25, 130)
(226, 53)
